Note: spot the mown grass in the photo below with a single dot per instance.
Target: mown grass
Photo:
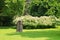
(30, 34)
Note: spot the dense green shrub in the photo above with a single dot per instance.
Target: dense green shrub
(37, 22)
(58, 22)
(6, 21)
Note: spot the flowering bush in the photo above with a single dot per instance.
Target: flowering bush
(36, 22)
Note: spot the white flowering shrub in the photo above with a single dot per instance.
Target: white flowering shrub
(36, 22)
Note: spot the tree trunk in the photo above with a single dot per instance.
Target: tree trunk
(19, 26)
(26, 11)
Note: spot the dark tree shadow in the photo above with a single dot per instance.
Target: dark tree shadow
(7, 27)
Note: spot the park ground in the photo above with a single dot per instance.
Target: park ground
(30, 34)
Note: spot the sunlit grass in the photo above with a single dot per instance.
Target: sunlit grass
(30, 34)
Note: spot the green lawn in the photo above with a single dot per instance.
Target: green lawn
(30, 34)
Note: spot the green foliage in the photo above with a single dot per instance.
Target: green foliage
(37, 22)
(2, 4)
(45, 7)
(10, 8)
(37, 7)
(14, 7)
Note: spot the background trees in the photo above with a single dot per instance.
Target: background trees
(36, 7)
(13, 8)
(2, 4)
(9, 9)
(45, 8)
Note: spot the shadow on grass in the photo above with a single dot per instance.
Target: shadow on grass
(7, 27)
(54, 35)
(4, 27)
